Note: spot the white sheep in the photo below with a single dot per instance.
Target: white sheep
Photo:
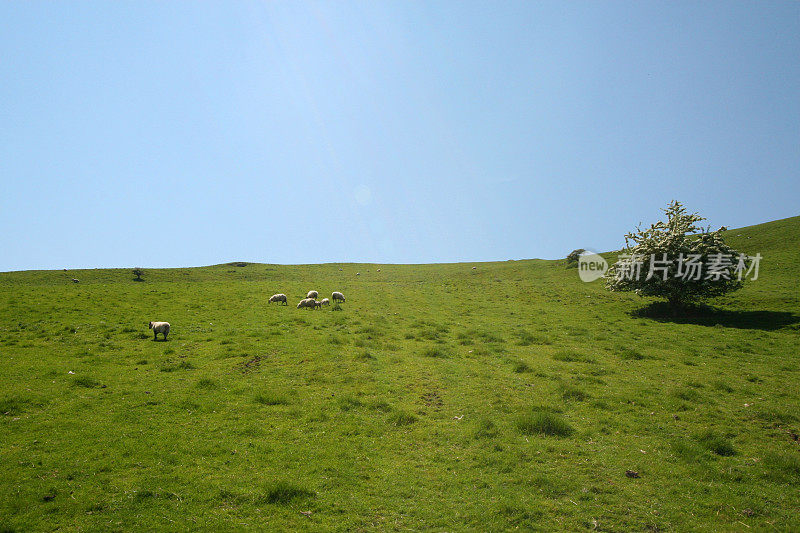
(278, 298)
(317, 304)
(324, 301)
(75, 280)
(337, 296)
(312, 294)
(159, 327)
(474, 268)
(306, 302)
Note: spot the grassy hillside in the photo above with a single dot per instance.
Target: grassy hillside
(439, 397)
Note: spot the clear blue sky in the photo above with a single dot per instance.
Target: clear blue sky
(192, 133)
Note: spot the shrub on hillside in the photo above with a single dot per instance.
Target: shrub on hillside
(573, 256)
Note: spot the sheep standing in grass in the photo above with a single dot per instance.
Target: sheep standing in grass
(312, 294)
(337, 296)
(159, 327)
(324, 301)
(278, 298)
(306, 302)
(317, 304)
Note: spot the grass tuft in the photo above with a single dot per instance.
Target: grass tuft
(436, 351)
(571, 356)
(723, 386)
(783, 468)
(543, 423)
(485, 429)
(687, 395)
(10, 406)
(271, 398)
(716, 444)
(348, 402)
(572, 393)
(527, 338)
(520, 367)
(207, 383)
(86, 381)
(686, 450)
(283, 493)
(401, 418)
(629, 354)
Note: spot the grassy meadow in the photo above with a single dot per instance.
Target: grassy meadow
(439, 397)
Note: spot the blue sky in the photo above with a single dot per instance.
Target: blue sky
(184, 134)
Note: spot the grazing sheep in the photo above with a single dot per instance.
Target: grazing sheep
(312, 294)
(337, 296)
(317, 304)
(378, 270)
(278, 298)
(75, 280)
(324, 301)
(159, 327)
(306, 302)
(474, 268)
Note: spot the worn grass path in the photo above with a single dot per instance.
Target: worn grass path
(439, 398)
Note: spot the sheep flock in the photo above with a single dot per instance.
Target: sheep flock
(311, 302)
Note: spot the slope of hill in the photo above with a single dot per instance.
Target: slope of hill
(438, 397)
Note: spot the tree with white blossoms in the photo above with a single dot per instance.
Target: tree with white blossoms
(677, 260)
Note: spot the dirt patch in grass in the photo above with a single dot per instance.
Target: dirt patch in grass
(250, 365)
(171, 366)
(432, 400)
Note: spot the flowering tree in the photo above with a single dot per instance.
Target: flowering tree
(678, 261)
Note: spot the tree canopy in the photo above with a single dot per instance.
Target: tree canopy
(676, 259)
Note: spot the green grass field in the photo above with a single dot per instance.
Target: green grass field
(438, 398)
